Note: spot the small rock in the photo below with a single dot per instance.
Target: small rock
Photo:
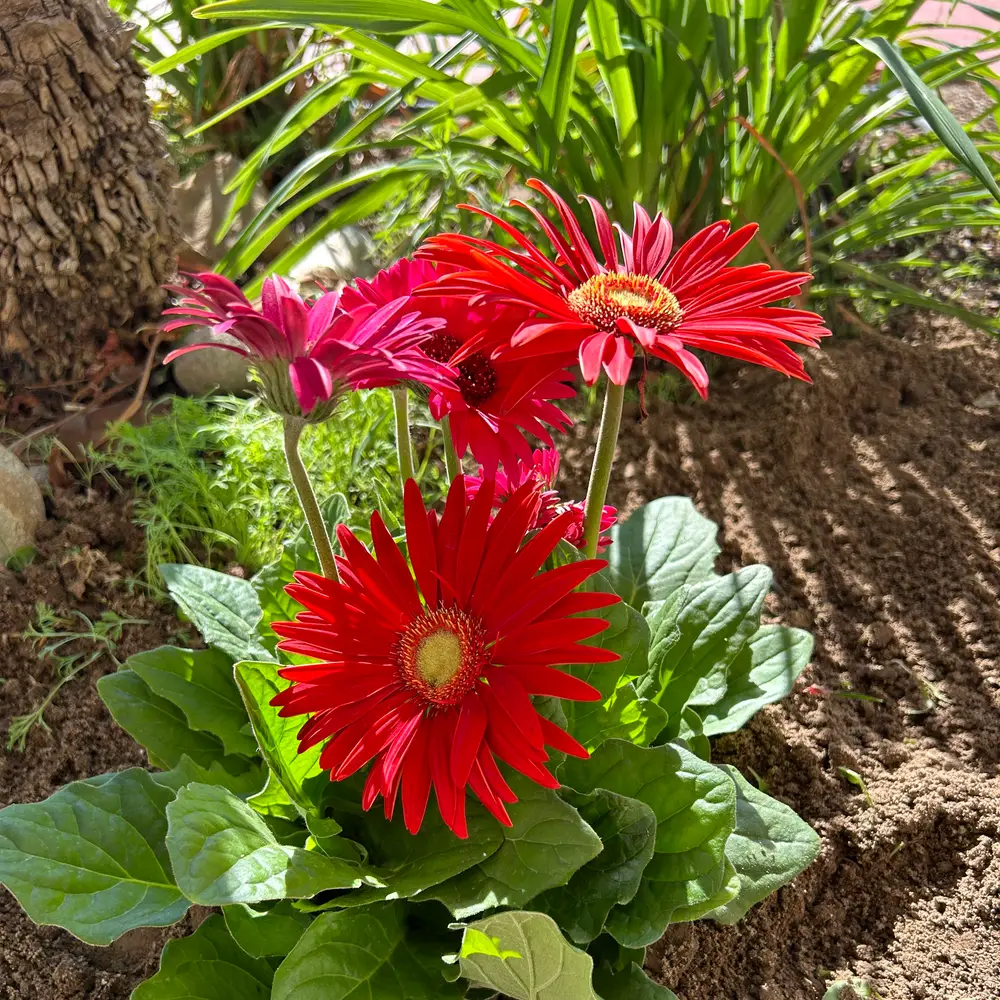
(211, 369)
(987, 400)
(343, 256)
(201, 206)
(21, 507)
(881, 635)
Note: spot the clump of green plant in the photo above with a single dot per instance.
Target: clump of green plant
(211, 482)
(72, 644)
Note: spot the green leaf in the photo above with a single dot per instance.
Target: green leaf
(207, 965)
(631, 984)
(298, 553)
(224, 609)
(410, 864)
(91, 857)
(276, 736)
(622, 714)
(379, 953)
(940, 119)
(695, 808)
(660, 547)
(266, 933)
(556, 84)
(769, 847)
(159, 725)
(200, 683)
(243, 784)
(697, 633)
(547, 843)
(223, 852)
(548, 966)
(764, 671)
(627, 828)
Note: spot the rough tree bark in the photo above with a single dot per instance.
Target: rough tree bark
(86, 235)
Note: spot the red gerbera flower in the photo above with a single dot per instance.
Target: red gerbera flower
(494, 400)
(542, 471)
(308, 353)
(641, 298)
(431, 678)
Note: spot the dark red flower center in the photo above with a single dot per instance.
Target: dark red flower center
(442, 654)
(606, 298)
(477, 378)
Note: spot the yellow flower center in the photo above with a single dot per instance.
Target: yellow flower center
(439, 657)
(442, 654)
(606, 298)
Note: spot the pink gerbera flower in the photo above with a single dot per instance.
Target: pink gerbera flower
(637, 297)
(308, 353)
(541, 472)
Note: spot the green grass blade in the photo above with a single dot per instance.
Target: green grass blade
(940, 119)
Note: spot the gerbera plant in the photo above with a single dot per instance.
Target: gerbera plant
(451, 751)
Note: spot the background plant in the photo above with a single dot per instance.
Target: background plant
(211, 486)
(777, 114)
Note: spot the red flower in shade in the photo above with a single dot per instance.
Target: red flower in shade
(641, 297)
(542, 471)
(308, 353)
(431, 678)
(494, 399)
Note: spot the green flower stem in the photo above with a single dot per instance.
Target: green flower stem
(451, 460)
(404, 446)
(307, 498)
(600, 471)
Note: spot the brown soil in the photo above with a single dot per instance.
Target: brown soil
(874, 495)
(88, 550)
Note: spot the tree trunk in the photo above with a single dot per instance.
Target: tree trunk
(86, 235)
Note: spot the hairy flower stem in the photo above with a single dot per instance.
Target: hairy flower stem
(451, 460)
(307, 498)
(404, 446)
(600, 471)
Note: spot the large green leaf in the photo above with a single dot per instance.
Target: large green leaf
(380, 952)
(630, 984)
(223, 852)
(940, 119)
(763, 672)
(547, 843)
(770, 846)
(91, 857)
(224, 608)
(159, 725)
(659, 547)
(697, 633)
(207, 965)
(622, 713)
(545, 967)
(276, 736)
(695, 808)
(627, 828)
(200, 683)
(410, 864)
(266, 933)
(244, 784)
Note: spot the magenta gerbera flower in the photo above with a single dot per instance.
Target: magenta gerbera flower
(493, 404)
(637, 297)
(308, 353)
(427, 667)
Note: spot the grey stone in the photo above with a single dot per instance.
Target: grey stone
(211, 369)
(21, 507)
